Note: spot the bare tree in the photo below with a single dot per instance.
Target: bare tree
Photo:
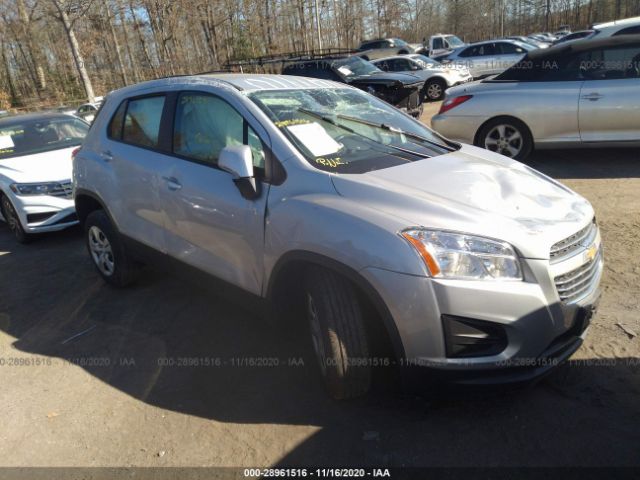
(68, 13)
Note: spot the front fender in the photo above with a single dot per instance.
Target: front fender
(338, 228)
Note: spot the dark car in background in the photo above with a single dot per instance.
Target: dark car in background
(399, 89)
(384, 47)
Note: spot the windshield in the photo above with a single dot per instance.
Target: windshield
(354, 66)
(426, 62)
(347, 131)
(400, 43)
(454, 41)
(40, 135)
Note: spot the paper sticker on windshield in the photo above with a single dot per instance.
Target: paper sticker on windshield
(345, 71)
(6, 142)
(315, 138)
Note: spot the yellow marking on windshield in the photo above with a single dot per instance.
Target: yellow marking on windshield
(330, 162)
(288, 123)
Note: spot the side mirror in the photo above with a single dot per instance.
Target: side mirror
(238, 161)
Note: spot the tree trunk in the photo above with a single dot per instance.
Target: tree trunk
(116, 44)
(75, 50)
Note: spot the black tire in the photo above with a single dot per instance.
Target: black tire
(123, 270)
(13, 221)
(518, 149)
(337, 332)
(403, 52)
(434, 89)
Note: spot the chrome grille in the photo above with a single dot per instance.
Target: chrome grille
(580, 239)
(64, 190)
(577, 283)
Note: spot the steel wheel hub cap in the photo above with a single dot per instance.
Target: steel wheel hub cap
(434, 91)
(101, 251)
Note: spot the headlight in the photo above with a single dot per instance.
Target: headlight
(36, 188)
(466, 257)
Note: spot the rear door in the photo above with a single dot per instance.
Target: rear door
(609, 108)
(134, 151)
(209, 224)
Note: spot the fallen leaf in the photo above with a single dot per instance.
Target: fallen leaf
(627, 330)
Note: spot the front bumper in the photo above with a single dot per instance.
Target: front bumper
(44, 213)
(541, 331)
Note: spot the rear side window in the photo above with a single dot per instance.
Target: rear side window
(614, 63)
(509, 48)
(142, 121)
(115, 126)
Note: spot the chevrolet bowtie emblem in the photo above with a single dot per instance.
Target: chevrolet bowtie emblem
(591, 252)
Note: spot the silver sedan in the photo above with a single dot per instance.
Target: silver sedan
(488, 58)
(582, 94)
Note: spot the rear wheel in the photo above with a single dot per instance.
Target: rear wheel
(507, 136)
(434, 89)
(337, 332)
(107, 250)
(13, 221)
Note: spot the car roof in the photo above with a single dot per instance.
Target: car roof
(508, 40)
(28, 117)
(236, 81)
(584, 45)
(394, 57)
(625, 21)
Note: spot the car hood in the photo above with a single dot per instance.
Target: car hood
(474, 191)
(385, 78)
(39, 167)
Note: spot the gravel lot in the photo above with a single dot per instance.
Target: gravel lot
(134, 411)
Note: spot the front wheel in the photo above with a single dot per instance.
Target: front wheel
(507, 136)
(434, 89)
(13, 221)
(337, 333)
(107, 250)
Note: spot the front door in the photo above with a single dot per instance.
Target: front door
(609, 108)
(209, 224)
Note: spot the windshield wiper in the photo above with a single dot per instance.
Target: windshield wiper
(389, 128)
(350, 130)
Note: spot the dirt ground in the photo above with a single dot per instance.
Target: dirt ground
(120, 394)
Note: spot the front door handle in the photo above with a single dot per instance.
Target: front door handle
(106, 156)
(592, 96)
(172, 183)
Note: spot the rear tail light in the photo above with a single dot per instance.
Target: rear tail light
(75, 151)
(453, 102)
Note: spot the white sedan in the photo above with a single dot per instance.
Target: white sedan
(35, 172)
(437, 77)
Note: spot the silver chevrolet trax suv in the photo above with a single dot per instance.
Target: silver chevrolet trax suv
(314, 195)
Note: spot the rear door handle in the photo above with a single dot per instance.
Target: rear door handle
(106, 156)
(172, 183)
(592, 96)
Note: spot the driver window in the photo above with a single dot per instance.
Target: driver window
(205, 124)
(610, 63)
